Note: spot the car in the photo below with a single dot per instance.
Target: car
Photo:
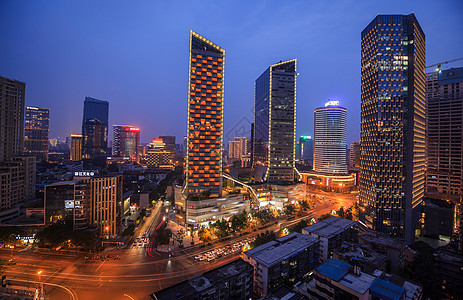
(202, 258)
(210, 258)
(140, 243)
(135, 243)
(197, 256)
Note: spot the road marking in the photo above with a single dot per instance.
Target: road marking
(100, 265)
(129, 296)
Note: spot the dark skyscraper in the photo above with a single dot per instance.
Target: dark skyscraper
(126, 140)
(393, 125)
(95, 128)
(275, 121)
(12, 95)
(205, 117)
(306, 147)
(36, 132)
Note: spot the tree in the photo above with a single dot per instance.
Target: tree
(221, 228)
(129, 230)
(341, 213)
(324, 217)
(299, 226)
(192, 232)
(239, 222)
(204, 234)
(289, 209)
(178, 237)
(304, 205)
(264, 237)
(263, 216)
(164, 236)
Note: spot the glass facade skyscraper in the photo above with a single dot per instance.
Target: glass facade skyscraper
(275, 121)
(95, 128)
(393, 108)
(306, 148)
(126, 140)
(205, 118)
(36, 126)
(330, 138)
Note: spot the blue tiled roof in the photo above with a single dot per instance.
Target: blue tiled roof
(386, 290)
(334, 269)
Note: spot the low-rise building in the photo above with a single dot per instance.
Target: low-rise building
(230, 281)
(331, 233)
(360, 255)
(335, 279)
(449, 271)
(285, 260)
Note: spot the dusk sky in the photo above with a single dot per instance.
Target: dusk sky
(134, 54)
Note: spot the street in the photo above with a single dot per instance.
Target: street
(140, 270)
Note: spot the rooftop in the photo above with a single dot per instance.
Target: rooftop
(330, 227)
(386, 290)
(334, 269)
(273, 252)
(188, 288)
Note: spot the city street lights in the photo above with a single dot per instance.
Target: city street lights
(39, 273)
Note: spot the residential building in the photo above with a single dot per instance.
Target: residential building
(95, 128)
(12, 99)
(76, 147)
(126, 140)
(367, 258)
(306, 148)
(275, 122)
(36, 132)
(439, 217)
(444, 95)
(285, 260)
(448, 264)
(335, 279)
(330, 138)
(234, 150)
(230, 281)
(393, 110)
(243, 141)
(331, 233)
(354, 157)
(205, 118)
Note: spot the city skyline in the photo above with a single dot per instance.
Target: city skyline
(131, 81)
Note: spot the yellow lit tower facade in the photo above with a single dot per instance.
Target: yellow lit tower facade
(205, 119)
(393, 107)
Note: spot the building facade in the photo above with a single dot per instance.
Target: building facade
(306, 148)
(76, 147)
(275, 122)
(393, 109)
(285, 260)
(444, 95)
(205, 118)
(169, 141)
(126, 140)
(330, 138)
(158, 155)
(95, 128)
(354, 159)
(12, 100)
(36, 132)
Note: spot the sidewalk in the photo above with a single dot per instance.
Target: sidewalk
(174, 227)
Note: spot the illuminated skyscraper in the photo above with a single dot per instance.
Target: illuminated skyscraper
(393, 108)
(275, 122)
(205, 118)
(306, 147)
(36, 132)
(95, 128)
(76, 147)
(126, 140)
(330, 138)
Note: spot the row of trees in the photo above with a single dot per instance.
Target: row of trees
(62, 233)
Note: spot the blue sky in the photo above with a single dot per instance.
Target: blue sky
(134, 54)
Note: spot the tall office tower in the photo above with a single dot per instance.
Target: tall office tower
(205, 117)
(234, 150)
(330, 138)
(12, 99)
(36, 132)
(354, 155)
(275, 121)
(243, 145)
(95, 128)
(306, 147)
(126, 140)
(444, 174)
(76, 147)
(392, 141)
(251, 151)
(169, 141)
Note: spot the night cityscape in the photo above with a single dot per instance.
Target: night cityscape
(231, 150)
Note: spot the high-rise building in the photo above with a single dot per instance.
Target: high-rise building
(354, 155)
(12, 99)
(393, 108)
(95, 128)
(275, 121)
(205, 117)
(306, 147)
(330, 138)
(243, 145)
(36, 132)
(126, 140)
(158, 155)
(234, 150)
(76, 147)
(444, 95)
(169, 141)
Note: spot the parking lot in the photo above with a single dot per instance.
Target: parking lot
(223, 251)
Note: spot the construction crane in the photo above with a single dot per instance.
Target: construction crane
(443, 63)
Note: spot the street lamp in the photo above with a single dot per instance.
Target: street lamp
(41, 284)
